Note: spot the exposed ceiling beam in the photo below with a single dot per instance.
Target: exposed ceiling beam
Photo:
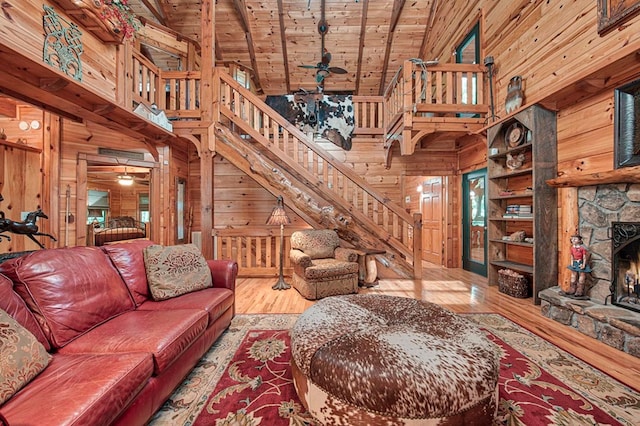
(241, 8)
(156, 10)
(116, 169)
(363, 28)
(34, 100)
(395, 16)
(285, 56)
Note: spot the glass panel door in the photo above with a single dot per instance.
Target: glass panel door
(468, 52)
(474, 230)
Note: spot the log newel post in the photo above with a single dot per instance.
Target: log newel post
(417, 245)
(207, 141)
(206, 202)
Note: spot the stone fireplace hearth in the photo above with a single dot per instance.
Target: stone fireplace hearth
(600, 207)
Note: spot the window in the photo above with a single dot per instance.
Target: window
(98, 207)
(181, 193)
(143, 207)
(241, 77)
(627, 125)
(468, 52)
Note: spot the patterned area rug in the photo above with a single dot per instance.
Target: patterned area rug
(245, 379)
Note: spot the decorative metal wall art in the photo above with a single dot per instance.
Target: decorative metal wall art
(27, 227)
(62, 46)
(515, 96)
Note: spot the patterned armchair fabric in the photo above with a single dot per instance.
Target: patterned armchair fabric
(321, 267)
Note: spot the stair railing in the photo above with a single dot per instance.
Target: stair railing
(249, 114)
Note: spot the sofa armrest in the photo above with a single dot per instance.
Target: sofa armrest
(223, 273)
(346, 255)
(299, 258)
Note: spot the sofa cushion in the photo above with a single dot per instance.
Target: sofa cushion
(13, 304)
(129, 261)
(80, 390)
(175, 270)
(214, 301)
(315, 243)
(164, 334)
(22, 357)
(69, 290)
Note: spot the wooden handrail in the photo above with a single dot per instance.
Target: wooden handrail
(331, 178)
(417, 91)
(255, 249)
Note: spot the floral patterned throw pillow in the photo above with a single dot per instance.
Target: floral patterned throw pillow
(22, 357)
(175, 270)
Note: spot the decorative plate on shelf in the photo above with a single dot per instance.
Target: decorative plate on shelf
(514, 135)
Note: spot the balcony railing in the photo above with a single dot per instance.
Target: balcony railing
(177, 93)
(426, 94)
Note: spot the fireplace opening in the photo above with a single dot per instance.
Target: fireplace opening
(625, 282)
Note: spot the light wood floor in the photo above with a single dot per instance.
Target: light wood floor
(459, 291)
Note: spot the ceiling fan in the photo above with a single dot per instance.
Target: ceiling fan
(322, 67)
(125, 177)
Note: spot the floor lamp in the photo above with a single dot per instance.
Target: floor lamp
(279, 217)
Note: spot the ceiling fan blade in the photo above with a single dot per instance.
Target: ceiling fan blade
(338, 70)
(311, 67)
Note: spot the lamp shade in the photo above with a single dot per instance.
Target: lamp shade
(278, 214)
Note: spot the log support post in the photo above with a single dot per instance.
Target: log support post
(417, 246)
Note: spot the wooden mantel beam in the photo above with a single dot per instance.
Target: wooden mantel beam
(624, 175)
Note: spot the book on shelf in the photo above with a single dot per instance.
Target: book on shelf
(518, 210)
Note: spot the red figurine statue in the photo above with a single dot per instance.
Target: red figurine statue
(579, 267)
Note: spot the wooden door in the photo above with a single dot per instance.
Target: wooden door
(431, 207)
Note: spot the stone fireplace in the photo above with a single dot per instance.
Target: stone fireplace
(609, 222)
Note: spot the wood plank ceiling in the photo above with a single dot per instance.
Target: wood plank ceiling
(368, 38)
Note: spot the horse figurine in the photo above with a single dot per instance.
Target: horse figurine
(28, 227)
(2, 218)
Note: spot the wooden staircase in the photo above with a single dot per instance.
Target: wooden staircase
(323, 191)
(422, 103)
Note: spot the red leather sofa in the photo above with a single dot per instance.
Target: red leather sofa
(117, 355)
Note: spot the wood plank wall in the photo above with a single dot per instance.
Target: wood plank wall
(87, 138)
(22, 181)
(551, 45)
(24, 24)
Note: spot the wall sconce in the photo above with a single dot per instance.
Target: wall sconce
(419, 188)
(33, 125)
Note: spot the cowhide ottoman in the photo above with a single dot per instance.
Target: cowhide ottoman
(384, 360)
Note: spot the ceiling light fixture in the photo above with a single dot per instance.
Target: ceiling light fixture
(125, 179)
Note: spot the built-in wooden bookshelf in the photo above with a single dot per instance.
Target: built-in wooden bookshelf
(520, 200)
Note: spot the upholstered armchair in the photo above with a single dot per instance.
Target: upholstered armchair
(321, 267)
